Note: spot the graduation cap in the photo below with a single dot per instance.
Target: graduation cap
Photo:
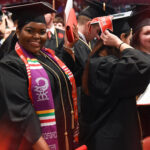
(96, 9)
(120, 23)
(139, 6)
(29, 11)
(140, 16)
(116, 23)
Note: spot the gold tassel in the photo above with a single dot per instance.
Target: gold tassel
(53, 4)
(66, 141)
(104, 6)
(72, 114)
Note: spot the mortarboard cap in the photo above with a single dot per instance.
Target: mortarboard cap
(120, 23)
(116, 23)
(139, 6)
(96, 9)
(140, 16)
(29, 11)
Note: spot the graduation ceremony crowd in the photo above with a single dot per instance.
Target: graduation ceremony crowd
(88, 93)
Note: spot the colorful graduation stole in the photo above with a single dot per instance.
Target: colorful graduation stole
(70, 76)
(41, 95)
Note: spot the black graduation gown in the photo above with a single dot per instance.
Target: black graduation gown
(56, 39)
(16, 108)
(144, 113)
(109, 119)
(81, 52)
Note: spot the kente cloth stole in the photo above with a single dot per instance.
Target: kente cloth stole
(70, 76)
(41, 96)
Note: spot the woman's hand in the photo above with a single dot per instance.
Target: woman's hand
(76, 37)
(110, 39)
(69, 47)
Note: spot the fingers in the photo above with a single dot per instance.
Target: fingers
(110, 39)
(106, 32)
(104, 37)
(75, 33)
(76, 37)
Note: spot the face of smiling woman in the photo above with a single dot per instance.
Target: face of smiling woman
(144, 37)
(32, 36)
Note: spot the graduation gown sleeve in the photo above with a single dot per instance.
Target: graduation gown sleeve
(16, 111)
(123, 77)
(109, 117)
(81, 52)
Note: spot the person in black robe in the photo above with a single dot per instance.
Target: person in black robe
(55, 36)
(19, 124)
(111, 81)
(82, 47)
(140, 40)
(16, 100)
(94, 9)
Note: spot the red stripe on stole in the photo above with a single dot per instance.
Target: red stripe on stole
(35, 65)
(47, 120)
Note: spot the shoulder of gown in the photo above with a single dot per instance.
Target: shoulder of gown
(110, 75)
(17, 110)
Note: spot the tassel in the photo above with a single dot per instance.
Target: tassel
(72, 114)
(66, 141)
(104, 6)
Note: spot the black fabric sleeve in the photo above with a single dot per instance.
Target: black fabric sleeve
(14, 94)
(74, 66)
(124, 77)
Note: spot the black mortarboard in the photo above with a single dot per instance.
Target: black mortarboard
(29, 11)
(120, 23)
(96, 9)
(140, 16)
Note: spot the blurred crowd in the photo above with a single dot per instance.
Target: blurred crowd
(7, 24)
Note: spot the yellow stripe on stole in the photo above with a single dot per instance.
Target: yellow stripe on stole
(45, 111)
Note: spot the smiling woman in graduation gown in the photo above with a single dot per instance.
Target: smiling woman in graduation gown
(27, 118)
(17, 110)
